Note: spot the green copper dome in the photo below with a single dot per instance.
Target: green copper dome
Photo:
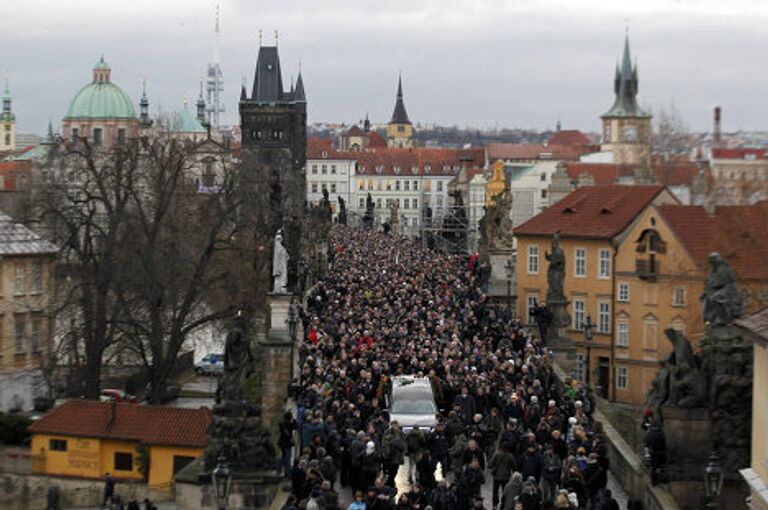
(101, 99)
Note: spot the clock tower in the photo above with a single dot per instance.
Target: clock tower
(626, 127)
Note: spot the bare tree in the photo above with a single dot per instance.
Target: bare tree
(148, 258)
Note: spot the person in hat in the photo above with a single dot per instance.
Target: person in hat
(595, 481)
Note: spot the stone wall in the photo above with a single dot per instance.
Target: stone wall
(28, 492)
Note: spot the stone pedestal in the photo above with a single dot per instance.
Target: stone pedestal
(689, 442)
(497, 284)
(277, 351)
(251, 491)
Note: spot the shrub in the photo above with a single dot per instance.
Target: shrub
(13, 428)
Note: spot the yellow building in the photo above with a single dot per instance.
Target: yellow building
(27, 264)
(661, 271)
(755, 326)
(593, 224)
(400, 129)
(88, 439)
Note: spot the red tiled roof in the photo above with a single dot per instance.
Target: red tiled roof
(596, 212)
(354, 131)
(535, 151)
(678, 172)
(741, 153)
(675, 173)
(569, 137)
(376, 141)
(603, 174)
(739, 233)
(156, 425)
(10, 170)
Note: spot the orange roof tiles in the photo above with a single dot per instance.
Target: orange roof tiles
(535, 151)
(596, 212)
(156, 425)
(738, 233)
(569, 137)
(740, 153)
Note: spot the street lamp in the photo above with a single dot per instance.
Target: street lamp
(222, 482)
(713, 480)
(588, 327)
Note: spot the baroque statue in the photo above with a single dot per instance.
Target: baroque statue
(279, 265)
(342, 217)
(555, 271)
(497, 222)
(680, 382)
(721, 300)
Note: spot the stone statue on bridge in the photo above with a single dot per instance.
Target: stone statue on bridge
(721, 301)
(279, 265)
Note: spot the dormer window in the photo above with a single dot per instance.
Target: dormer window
(427, 169)
(396, 169)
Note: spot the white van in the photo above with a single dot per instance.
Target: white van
(413, 403)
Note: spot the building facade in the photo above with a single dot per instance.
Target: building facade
(593, 223)
(85, 439)
(101, 112)
(331, 170)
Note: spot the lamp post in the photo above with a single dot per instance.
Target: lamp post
(588, 327)
(713, 480)
(510, 267)
(222, 482)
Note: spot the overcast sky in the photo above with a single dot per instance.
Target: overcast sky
(482, 63)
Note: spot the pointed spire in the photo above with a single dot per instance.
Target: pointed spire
(299, 94)
(49, 135)
(201, 106)
(6, 114)
(366, 123)
(243, 94)
(399, 116)
(625, 87)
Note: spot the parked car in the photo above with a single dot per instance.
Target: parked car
(413, 403)
(211, 364)
(111, 394)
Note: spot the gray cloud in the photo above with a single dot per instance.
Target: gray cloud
(479, 63)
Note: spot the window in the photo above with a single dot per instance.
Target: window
(36, 278)
(604, 263)
(277, 134)
(407, 185)
(578, 314)
(406, 203)
(650, 334)
(123, 461)
(323, 186)
(416, 186)
(314, 187)
(121, 136)
(579, 367)
(439, 202)
(314, 171)
(604, 317)
(98, 137)
(333, 187)
(389, 185)
(333, 169)
(324, 169)
(622, 378)
(75, 132)
(543, 193)
(362, 203)
(439, 185)
(180, 462)
(580, 262)
(623, 292)
(543, 177)
(400, 128)
(678, 296)
(20, 330)
(397, 185)
(533, 259)
(34, 336)
(530, 303)
(622, 337)
(415, 203)
(57, 445)
(415, 222)
(19, 281)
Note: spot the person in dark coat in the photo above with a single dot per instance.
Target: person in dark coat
(530, 463)
(501, 465)
(466, 404)
(595, 480)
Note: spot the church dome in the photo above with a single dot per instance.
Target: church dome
(101, 99)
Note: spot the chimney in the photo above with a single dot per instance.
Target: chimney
(716, 137)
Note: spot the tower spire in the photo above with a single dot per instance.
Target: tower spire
(399, 116)
(214, 85)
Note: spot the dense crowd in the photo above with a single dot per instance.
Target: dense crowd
(388, 307)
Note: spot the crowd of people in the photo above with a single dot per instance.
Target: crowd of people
(388, 306)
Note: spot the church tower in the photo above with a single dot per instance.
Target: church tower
(7, 122)
(399, 129)
(274, 152)
(626, 127)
